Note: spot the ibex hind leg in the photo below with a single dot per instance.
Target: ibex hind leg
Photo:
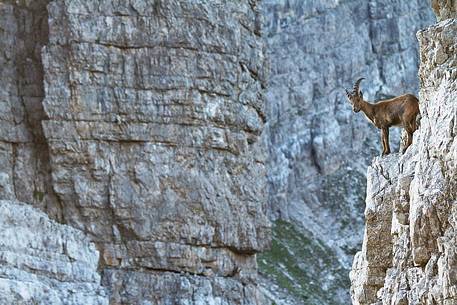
(409, 141)
(414, 125)
(410, 130)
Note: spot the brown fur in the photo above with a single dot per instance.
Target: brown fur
(400, 111)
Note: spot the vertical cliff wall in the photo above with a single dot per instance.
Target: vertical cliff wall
(408, 254)
(319, 149)
(24, 159)
(139, 124)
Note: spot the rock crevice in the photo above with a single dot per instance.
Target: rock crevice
(408, 255)
(25, 174)
(138, 123)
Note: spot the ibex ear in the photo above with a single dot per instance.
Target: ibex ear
(348, 94)
(361, 94)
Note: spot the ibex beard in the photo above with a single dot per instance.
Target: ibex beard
(400, 111)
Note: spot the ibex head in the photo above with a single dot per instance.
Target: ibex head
(356, 96)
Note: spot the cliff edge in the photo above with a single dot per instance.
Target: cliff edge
(409, 253)
(318, 147)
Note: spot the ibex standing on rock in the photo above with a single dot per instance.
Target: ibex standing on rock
(400, 111)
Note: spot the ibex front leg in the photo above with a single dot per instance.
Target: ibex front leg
(385, 141)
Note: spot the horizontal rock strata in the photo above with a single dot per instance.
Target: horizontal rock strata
(138, 123)
(43, 262)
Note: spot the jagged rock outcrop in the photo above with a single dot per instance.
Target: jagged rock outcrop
(409, 254)
(138, 123)
(44, 262)
(319, 149)
(444, 9)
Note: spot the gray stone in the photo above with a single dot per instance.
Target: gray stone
(318, 148)
(422, 236)
(43, 262)
(166, 288)
(25, 173)
(138, 123)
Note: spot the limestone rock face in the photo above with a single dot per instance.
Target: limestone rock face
(43, 262)
(318, 148)
(410, 257)
(138, 123)
(24, 159)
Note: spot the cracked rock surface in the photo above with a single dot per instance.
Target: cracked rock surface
(44, 262)
(318, 148)
(408, 254)
(138, 123)
(25, 173)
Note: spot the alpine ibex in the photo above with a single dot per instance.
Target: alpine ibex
(400, 111)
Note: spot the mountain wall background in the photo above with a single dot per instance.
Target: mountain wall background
(318, 148)
(152, 151)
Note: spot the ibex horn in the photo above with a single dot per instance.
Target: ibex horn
(347, 92)
(357, 84)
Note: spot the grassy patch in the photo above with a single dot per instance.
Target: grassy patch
(343, 195)
(303, 265)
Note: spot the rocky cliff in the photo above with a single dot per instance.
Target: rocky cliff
(138, 123)
(136, 127)
(44, 262)
(318, 149)
(408, 254)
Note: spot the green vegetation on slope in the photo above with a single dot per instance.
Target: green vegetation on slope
(303, 265)
(343, 195)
